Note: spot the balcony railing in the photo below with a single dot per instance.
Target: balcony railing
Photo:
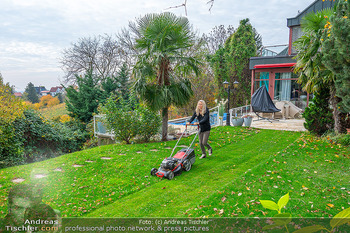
(274, 50)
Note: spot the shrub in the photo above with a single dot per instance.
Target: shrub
(48, 101)
(11, 109)
(42, 138)
(129, 120)
(122, 119)
(318, 116)
(343, 139)
(10, 146)
(150, 123)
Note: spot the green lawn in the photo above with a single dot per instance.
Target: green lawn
(248, 165)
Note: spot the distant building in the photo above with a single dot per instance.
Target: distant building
(44, 93)
(40, 89)
(274, 70)
(18, 94)
(55, 90)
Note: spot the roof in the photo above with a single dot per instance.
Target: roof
(39, 89)
(54, 89)
(257, 62)
(316, 6)
(280, 65)
(18, 94)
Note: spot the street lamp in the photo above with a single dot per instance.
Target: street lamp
(226, 86)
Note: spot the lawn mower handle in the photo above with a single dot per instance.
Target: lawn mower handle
(192, 125)
(181, 137)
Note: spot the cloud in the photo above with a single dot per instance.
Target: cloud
(35, 32)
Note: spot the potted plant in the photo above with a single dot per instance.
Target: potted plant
(237, 121)
(221, 108)
(247, 120)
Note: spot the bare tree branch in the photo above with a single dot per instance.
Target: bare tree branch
(103, 55)
(182, 5)
(210, 2)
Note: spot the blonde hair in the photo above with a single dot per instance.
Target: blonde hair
(204, 108)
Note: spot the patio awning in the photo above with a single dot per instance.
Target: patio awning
(280, 65)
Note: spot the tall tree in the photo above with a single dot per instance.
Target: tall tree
(242, 46)
(124, 81)
(231, 62)
(162, 64)
(336, 50)
(313, 74)
(100, 54)
(204, 86)
(31, 94)
(83, 99)
(217, 37)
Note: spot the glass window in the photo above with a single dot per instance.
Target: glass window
(283, 86)
(262, 75)
(261, 78)
(289, 90)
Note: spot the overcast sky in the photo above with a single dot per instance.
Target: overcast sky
(33, 33)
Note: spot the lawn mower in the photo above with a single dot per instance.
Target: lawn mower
(181, 161)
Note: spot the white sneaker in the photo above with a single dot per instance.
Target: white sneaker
(203, 156)
(210, 151)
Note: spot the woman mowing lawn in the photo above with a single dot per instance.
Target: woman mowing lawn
(202, 114)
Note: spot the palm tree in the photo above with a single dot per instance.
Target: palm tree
(163, 62)
(313, 74)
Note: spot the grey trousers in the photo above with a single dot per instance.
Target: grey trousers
(203, 141)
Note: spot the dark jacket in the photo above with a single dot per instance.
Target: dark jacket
(204, 122)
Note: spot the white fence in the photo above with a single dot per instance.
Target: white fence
(240, 111)
(101, 130)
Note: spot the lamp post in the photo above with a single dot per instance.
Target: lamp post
(226, 86)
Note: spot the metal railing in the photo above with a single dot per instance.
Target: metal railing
(273, 50)
(241, 111)
(176, 126)
(101, 129)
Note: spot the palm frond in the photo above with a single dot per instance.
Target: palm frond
(313, 22)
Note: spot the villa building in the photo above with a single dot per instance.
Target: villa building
(274, 70)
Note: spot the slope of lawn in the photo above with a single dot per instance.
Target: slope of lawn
(54, 111)
(248, 165)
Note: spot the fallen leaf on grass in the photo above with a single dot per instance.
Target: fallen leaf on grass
(330, 205)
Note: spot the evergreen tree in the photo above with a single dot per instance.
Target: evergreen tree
(110, 86)
(335, 48)
(241, 47)
(231, 62)
(124, 82)
(83, 101)
(318, 116)
(219, 65)
(60, 97)
(31, 94)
